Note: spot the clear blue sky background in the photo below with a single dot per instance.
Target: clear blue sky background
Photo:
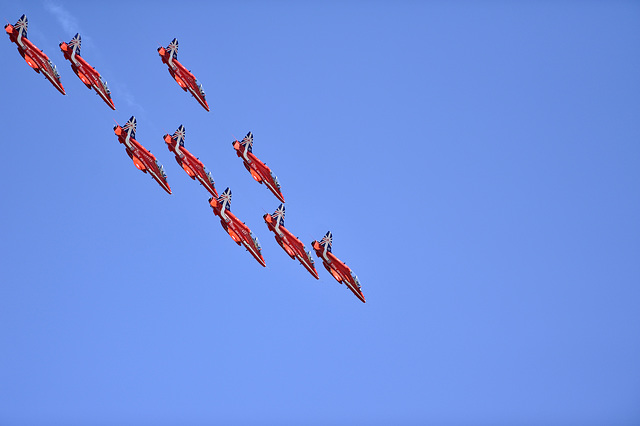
(477, 163)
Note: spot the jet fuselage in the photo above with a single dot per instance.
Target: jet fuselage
(35, 57)
(237, 230)
(89, 76)
(184, 77)
(259, 171)
(291, 244)
(144, 160)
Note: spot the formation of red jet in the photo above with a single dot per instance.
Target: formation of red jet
(147, 162)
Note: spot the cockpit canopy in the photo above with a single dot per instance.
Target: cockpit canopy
(161, 169)
(275, 179)
(200, 88)
(355, 279)
(208, 173)
(54, 69)
(104, 85)
(255, 241)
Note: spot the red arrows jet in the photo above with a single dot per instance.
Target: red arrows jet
(183, 77)
(259, 170)
(35, 57)
(341, 272)
(238, 231)
(292, 245)
(142, 158)
(189, 162)
(89, 76)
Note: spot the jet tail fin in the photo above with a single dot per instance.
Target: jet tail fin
(179, 135)
(278, 215)
(75, 43)
(130, 126)
(326, 241)
(247, 142)
(172, 48)
(225, 199)
(21, 25)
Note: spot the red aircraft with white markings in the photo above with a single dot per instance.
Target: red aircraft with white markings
(89, 76)
(341, 272)
(142, 158)
(259, 170)
(238, 230)
(181, 75)
(192, 165)
(35, 57)
(292, 245)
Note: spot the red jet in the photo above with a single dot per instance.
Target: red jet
(238, 231)
(183, 77)
(189, 162)
(89, 76)
(142, 158)
(35, 57)
(259, 170)
(292, 245)
(341, 272)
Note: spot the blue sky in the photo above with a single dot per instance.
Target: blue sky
(477, 163)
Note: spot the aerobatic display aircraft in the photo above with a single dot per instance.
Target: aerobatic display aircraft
(341, 272)
(238, 230)
(192, 165)
(181, 75)
(89, 76)
(142, 158)
(259, 170)
(35, 57)
(292, 245)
